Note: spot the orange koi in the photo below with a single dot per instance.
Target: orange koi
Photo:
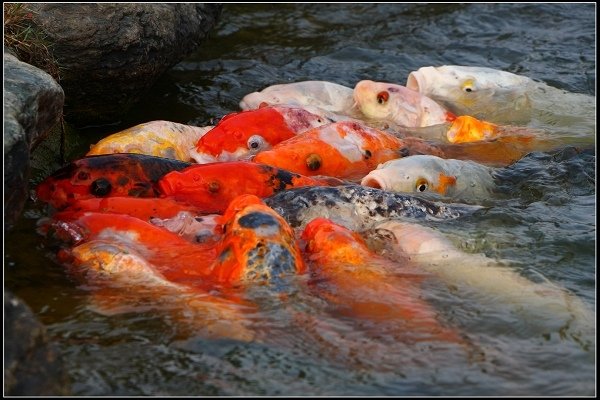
(346, 150)
(212, 186)
(177, 259)
(258, 245)
(367, 285)
(122, 278)
(142, 208)
(240, 135)
(133, 175)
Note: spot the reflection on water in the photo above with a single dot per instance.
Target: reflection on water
(544, 222)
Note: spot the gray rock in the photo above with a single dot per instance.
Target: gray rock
(32, 365)
(33, 104)
(109, 54)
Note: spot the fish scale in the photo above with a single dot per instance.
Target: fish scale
(357, 207)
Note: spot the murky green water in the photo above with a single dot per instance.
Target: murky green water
(546, 226)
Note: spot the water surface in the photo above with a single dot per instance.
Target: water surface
(546, 225)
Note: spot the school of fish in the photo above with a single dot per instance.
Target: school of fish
(282, 192)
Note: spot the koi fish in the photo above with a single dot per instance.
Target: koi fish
(503, 97)
(398, 104)
(142, 208)
(119, 274)
(539, 303)
(346, 150)
(240, 135)
(367, 285)
(156, 138)
(258, 246)
(456, 179)
(357, 207)
(175, 258)
(133, 175)
(324, 95)
(212, 186)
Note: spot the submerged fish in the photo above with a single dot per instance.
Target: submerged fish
(133, 175)
(175, 258)
(456, 179)
(258, 246)
(543, 304)
(357, 207)
(240, 135)
(123, 279)
(212, 186)
(324, 95)
(503, 97)
(346, 150)
(369, 286)
(156, 138)
(398, 104)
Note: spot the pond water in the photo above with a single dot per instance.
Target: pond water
(546, 227)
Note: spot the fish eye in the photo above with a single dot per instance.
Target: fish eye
(468, 85)
(383, 97)
(256, 142)
(100, 187)
(422, 185)
(214, 187)
(313, 162)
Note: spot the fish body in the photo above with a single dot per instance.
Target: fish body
(156, 138)
(122, 279)
(543, 304)
(142, 208)
(367, 285)
(477, 91)
(212, 186)
(321, 94)
(357, 207)
(345, 150)
(505, 98)
(133, 175)
(242, 134)
(398, 104)
(449, 178)
(174, 257)
(258, 246)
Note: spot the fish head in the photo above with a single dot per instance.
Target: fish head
(327, 241)
(105, 175)
(306, 155)
(258, 246)
(470, 90)
(241, 135)
(414, 174)
(395, 103)
(210, 187)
